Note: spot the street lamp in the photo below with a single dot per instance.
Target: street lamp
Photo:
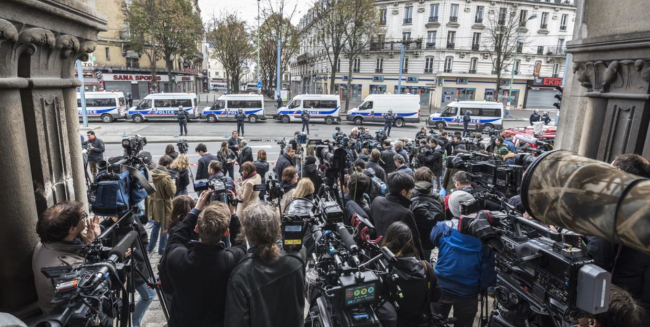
(512, 72)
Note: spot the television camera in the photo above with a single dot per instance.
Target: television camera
(218, 188)
(182, 145)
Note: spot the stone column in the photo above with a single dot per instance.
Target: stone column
(608, 90)
(40, 146)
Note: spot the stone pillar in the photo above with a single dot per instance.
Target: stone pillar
(608, 89)
(40, 145)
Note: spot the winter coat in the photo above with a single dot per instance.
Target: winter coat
(262, 167)
(311, 172)
(204, 163)
(231, 144)
(466, 119)
(387, 156)
(199, 274)
(97, 153)
(267, 294)
(546, 119)
(246, 155)
(305, 116)
(247, 194)
(534, 117)
(412, 280)
(392, 208)
(405, 169)
(224, 159)
(182, 116)
(388, 119)
(359, 207)
(433, 160)
(465, 266)
(404, 154)
(283, 162)
(160, 203)
(53, 255)
(240, 117)
(182, 181)
(428, 211)
(379, 171)
(174, 154)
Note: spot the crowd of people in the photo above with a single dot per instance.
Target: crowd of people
(222, 264)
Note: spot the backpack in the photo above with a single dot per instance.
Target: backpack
(378, 186)
(113, 193)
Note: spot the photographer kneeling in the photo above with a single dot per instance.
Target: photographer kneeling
(267, 287)
(199, 271)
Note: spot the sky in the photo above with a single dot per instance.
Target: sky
(247, 9)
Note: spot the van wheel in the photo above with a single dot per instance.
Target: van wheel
(106, 118)
(212, 119)
(252, 119)
(399, 123)
(329, 120)
(487, 128)
(358, 121)
(440, 125)
(138, 119)
(285, 119)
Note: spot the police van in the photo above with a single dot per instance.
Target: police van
(225, 108)
(106, 106)
(164, 106)
(484, 116)
(405, 107)
(325, 108)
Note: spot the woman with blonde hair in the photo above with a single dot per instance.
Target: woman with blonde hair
(302, 198)
(245, 189)
(180, 167)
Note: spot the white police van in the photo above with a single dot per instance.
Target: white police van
(106, 106)
(225, 108)
(486, 116)
(164, 106)
(405, 107)
(325, 108)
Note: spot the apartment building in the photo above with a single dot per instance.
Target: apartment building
(446, 56)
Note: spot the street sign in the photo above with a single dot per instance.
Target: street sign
(259, 85)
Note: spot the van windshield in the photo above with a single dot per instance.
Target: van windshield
(450, 111)
(366, 105)
(294, 104)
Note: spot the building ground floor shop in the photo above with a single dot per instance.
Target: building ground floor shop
(434, 91)
(140, 84)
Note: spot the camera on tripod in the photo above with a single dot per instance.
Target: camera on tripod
(182, 145)
(132, 146)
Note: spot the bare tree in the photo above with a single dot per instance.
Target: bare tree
(501, 42)
(329, 29)
(362, 23)
(231, 47)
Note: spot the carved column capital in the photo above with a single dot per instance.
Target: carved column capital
(8, 31)
(617, 76)
(67, 44)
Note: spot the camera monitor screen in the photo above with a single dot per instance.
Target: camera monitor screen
(360, 294)
(293, 228)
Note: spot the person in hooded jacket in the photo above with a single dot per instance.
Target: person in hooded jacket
(180, 167)
(159, 206)
(262, 167)
(310, 170)
(427, 207)
(415, 278)
(466, 120)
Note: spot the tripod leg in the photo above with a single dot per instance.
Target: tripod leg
(153, 282)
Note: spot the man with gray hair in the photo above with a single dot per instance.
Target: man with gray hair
(401, 165)
(245, 154)
(399, 148)
(465, 266)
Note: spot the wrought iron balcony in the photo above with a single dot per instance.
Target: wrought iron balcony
(450, 46)
(433, 19)
(453, 19)
(408, 20)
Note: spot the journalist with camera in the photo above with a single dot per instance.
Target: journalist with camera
(95, 148)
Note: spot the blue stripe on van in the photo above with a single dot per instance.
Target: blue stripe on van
(459, 120)
(96, 111)
(231, 112)
(379, 114)
(157, 112)
(297, 112)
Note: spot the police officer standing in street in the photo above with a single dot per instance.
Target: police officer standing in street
(240, 117)
(279, 101)
(304, 116)
(183, 117)
(534, 117)
(388, 122)
(466, 120)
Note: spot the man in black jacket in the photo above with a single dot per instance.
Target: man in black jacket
(388, 122)
(427, 207)
(233, 142)
(310, 170)
(395, 207)
(183, 117)
(534, 117)
(204, 161)
(240, 117)
(374, 163)
(305, 116)
(466, 120)
(95, 149)
(284, 161)
(245, 154)
(432, 158)
(387, 157)
(199, 271)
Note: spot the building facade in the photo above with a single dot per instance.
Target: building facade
(115, 67)
(445, 56)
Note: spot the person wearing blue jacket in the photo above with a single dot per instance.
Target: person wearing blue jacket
(465, 266)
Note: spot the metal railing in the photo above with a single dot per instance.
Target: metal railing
(430, 45)
(472, 71)
(453, 19)
(543, 26)
(379, 70)
(447, 70)
(475, 47)
(478, 20)
(428, 70)
(450, 46)
(556, 51)
(405, 70)
(408, 20)
(433, 19)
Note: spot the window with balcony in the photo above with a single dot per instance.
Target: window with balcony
(563, 22)
(479, 15)
(449, 63)
(428, 65)
(476, 41)
(502, 15)
(356, 65)
(544, 21)
(382, 16)
(540, 50)
(405, 66)
(472, 65)
(379, 66)
(406, 36)
(408, 15)
(433, 12)
(451, 39)
(431, 39)
(523, 16)
(453, 14)
(520, 47)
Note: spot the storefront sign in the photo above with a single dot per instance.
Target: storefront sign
(132, 77)
(378, 78)
(412, 79)
(552, 81)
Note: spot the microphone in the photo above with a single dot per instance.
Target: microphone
(347, 238)
(526, 139)
(118, 252)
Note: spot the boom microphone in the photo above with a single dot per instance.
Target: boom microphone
(347, 238)
(119, 250)
(526, 139)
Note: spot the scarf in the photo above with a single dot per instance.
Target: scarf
(252, 174)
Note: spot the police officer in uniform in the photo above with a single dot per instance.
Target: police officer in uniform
(183, 117)
(304, 116)
(388, 122)
(240, 117)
